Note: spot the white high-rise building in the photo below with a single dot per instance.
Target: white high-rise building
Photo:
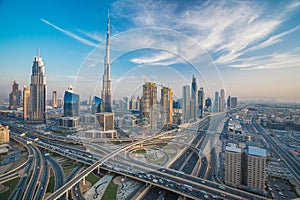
(186, 101)
(38, 91)
(216, 104)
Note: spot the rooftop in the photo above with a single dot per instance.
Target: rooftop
(257, 151)
(233, 148)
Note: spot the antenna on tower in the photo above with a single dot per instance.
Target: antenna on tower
(38, 52)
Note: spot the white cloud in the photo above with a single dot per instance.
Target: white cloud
(270, 61)
(162, 58)
(70, 34)
(227, 30)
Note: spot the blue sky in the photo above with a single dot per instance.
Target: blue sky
(251, 48)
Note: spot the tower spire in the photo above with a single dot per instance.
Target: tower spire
(106, 87)
(38, 52)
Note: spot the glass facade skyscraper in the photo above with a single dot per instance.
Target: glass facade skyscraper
(96, 105)
(71, 103)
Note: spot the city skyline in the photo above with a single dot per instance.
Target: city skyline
(260, 60)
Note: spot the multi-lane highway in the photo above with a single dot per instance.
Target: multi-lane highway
(168, 177)
(280, 150)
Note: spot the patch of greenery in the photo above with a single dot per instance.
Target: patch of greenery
(110, 192)
(11, 184)
(68, 167)
(92, 178)
(140, 151)
(50, 186)
(160, 160)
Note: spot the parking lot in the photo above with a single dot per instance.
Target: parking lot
(281, 189)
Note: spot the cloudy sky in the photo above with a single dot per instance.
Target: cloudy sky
(250, 48)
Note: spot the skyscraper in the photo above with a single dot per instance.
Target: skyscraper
(208, 103)
(255, 170)
(38, 91)
(96, 105)
(106, 86)
(132, 103)
(229, 102)
(186, 100)
(26, 103)
(167, 105)
(54, 99)
(234, 102)
(194, 104)
(148, 104)
(200, 102)
(71, 103)
(222, 101)
(15, 96)
(216, 104)
(233, 165)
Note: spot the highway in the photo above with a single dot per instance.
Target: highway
(21, 186)
(292, 164)
(185, 162)
(165, 175)
(58, 174)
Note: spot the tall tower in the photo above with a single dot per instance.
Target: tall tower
(167, 105)
(216, 105)
(54, 99)
(200, 102)
(15, 96)
(71, 103)
(106, 86)
(194, 102)
(222, 101)
(186, 100)
(148, 104)
(26, 103)
(38, 90)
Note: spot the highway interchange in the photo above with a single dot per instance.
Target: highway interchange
(191, 168)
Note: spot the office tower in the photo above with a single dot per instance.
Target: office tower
(96, 105)
(60, 102)
(194, 97)
(26, 103)
(186, 100)
(167, 105)
(222, 101)
(54, 99)
(71, 103)
(216, 105)
(4, 134)
(132, 103)
(106, 121)
(234, 102)
(38, 91)
(229, 102)
(233, 165)
(148, 104)
(126, 101)
(255, 170)
(106, 86)
(15, 97)
(138, 101)
(200, 102)
(208, 103)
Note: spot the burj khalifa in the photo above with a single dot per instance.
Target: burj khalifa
(106, 86)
